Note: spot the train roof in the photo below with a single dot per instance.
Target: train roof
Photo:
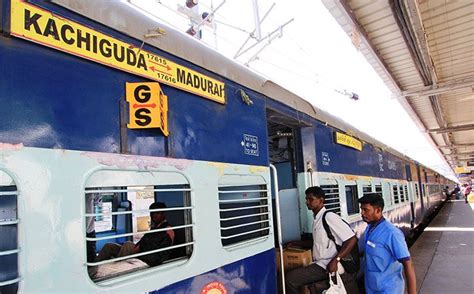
(126, 18)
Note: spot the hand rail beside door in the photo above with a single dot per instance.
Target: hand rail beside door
(278, 217)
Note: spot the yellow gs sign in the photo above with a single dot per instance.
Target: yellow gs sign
(40, 26)
(147, 106)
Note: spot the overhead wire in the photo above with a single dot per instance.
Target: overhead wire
(313, 77)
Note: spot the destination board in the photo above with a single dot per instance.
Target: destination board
(348, 141)
(43, 27)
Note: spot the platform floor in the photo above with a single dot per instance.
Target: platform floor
(443, 255)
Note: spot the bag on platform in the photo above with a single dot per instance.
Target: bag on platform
(335, 288)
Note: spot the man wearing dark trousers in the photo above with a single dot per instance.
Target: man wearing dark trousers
(326, 258)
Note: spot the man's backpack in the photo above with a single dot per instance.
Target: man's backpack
(351, 262)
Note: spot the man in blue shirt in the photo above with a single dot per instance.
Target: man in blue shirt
(386, 251)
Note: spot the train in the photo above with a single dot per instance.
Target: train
(105, 111)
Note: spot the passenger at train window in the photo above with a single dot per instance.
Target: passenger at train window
(386, 251)
(326, 257)
(150, 241)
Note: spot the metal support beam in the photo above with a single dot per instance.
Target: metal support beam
(459, 157)
(457, 146)
(439, 88)
(459, 128)
(470, 153)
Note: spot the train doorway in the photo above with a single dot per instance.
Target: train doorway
(285, 153)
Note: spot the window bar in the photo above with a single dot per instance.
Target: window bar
(246, 224)
(243, 208)
(241, 191)
(136, 190)
(9, 282)
(7, 223)
(337, 204)
(138, 211)
(244, 200)
(9, 252)
(137, 254)
(243, 216)
(9, 193)
(246, 233)
(137, 233)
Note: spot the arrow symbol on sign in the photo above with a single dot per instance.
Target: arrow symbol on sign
(159, 64)
(155, 69)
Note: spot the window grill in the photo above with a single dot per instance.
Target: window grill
(122, 214)
(417, 192)
(9, 248)
(378, 189)
(244, 212)
(366, 189)
(395, 194)
(401, 193)
(405, 188)
(332, 201)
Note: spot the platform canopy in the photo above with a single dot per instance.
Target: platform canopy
(424, 52)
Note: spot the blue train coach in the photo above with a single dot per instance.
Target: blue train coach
(104, 111)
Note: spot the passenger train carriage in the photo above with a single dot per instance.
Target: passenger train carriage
(105, 111)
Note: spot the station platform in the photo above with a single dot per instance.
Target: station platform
(443, 255)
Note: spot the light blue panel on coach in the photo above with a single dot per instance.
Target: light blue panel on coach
(51, 206)
(289, 217)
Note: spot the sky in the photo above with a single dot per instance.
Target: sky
(314, 58)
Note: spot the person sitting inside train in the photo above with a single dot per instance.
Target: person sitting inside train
(150, 241)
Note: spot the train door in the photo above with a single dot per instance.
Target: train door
(426, 191)
(411, 199)
(420, 189)
(285, 153)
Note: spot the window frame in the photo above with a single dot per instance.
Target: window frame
(13, 182)
(113, 179)
(232, 182)
(396, 200)
(333, 183)
(356, 188)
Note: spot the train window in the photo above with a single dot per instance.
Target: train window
(395, 194)
(244, 209)
(352, 199)
(332, 201)
(378, 188)
(366, 189)
(9, 235)
(388, 197)
(405, 188)
(417, 192)
(401, 193)
(136, 221)
(433, 189)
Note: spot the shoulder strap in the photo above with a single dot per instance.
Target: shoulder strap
(326, 228)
